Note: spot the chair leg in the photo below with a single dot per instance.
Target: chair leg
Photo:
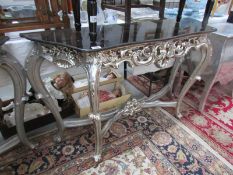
(180, 11)
(125, 70)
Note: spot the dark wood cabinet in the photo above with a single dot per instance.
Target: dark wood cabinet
(42, 15)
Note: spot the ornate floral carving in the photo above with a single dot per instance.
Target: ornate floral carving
(61, 56)
(158, 53)
(131, 107)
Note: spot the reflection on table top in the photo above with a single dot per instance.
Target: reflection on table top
(3, 39)
(224, 29)
(116, 35)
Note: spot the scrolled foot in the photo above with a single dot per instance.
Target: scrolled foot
(34, 146)
(179, 115)
(57, 138)
(97, 158)
(198, 78)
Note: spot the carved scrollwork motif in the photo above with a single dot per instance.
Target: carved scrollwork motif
(131, 107)
(61, 56)
(158, 53)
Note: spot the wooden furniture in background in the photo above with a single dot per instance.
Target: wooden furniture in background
(127, 5)
(46, 17)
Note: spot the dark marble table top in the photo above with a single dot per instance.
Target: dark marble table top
(115, 35)
(3, 39)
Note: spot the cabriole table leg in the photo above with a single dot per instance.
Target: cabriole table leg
(32, 66)
(93, 70)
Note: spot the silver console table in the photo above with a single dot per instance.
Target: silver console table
(113, 45)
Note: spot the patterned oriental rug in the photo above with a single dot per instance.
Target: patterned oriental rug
(215, 125)
(143, 84)
(150, 142)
